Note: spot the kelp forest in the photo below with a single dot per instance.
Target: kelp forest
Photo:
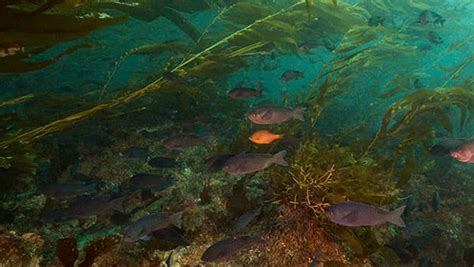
(236, 133)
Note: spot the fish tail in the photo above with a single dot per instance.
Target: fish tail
(279, 158)
(175, 218)
(298, 113)
(395, 216)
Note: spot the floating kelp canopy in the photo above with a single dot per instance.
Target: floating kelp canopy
(368, 159)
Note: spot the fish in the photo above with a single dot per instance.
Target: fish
(354, 214)
(240, 93)
(245, 219)
(436, 201)
(146, 225)
(434, 38)
(136, 152)
(183, 141)
(156, 182)
(264, 137)
(253, 162)
(83, 208)
(464, 152)
(427, 17)
(291, 75)
(162, 162)
(68, 190)
(267, 115)
(224, 249)
(375, 21)
(461, 150)
(217, 162)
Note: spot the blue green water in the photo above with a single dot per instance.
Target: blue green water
(106, 135)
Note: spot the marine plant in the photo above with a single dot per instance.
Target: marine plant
(25, 34)
(226, 55)
(323, 169)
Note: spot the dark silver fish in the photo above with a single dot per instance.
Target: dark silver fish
(162, 162)
(143, 227)
(136, 152)
(68, 190)
(157, 182)
(430, 17)
(84, 208)
(291, 75)
(267, 115)
(245, 219)
(240, 93)
(250, 163)
(354, 214)
(226, 248)
(183, 141)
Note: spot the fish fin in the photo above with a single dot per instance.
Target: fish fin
(351, 217)
(395, 216)
(175, 219)
(279, 158)
(117, 204)
(298, 113)
(145, 237)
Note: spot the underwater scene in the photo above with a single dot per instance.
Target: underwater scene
(237, 133)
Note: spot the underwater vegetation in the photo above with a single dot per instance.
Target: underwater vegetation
(249, 136)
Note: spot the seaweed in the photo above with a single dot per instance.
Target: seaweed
(25, 35)
(320, 175)
(403, 119)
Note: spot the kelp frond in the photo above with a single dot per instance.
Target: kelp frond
(66, 122)
(404, 118)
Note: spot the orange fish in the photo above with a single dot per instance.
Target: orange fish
(264, 137)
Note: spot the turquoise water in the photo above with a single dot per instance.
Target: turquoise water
(140, 148)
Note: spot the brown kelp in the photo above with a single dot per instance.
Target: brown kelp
(325, 168)
(25, 34)
(222, 55)
(152, 9)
